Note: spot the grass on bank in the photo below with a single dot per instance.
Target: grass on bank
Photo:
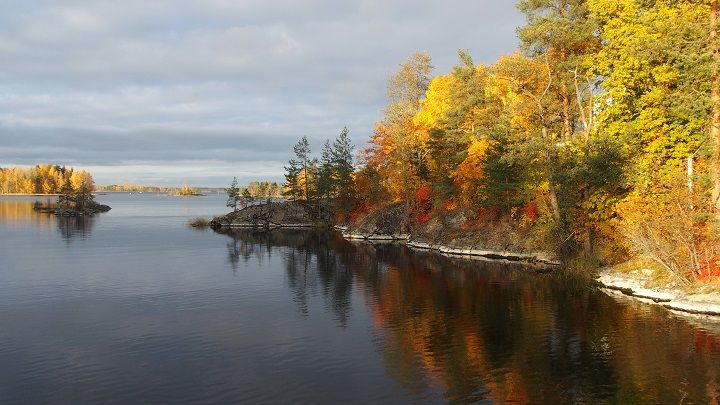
(199, 223)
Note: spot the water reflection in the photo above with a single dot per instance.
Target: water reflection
(247, 244)
(17, 212)
(490, 331)
(74, 227)
(313, 263)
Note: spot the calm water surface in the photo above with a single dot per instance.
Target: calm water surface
(133, 306)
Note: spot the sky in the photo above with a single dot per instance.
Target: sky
(168, 91)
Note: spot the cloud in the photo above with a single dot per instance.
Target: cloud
(134, 85)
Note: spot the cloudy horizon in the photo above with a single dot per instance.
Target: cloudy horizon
(203, 90)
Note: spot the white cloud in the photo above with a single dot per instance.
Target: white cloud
(101, 83)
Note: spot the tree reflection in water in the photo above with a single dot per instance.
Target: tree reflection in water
(312, 264)
(496, 331)
(75, 227)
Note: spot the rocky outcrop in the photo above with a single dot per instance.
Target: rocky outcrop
(383, 224)
(448, 235)
(285, 214)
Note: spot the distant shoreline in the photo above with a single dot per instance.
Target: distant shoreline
(28, 195)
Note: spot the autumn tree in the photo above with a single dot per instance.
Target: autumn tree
(657, 66)
(564, 35)
(465, 121)
(562, 31)
(40, 179)
(714, 47)
(397, 138)
(81, 179)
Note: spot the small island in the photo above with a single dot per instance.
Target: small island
(73, 203)
(186, 191)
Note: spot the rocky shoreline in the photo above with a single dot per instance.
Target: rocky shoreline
(673, 299)
(384, 227)
(286, 214)
(448, 250)
(442, 234)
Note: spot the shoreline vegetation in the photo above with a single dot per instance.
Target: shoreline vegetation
(597, 145)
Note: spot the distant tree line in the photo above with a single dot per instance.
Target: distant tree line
(43, 179)
(133, 188)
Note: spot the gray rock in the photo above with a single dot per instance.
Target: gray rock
(286, 214)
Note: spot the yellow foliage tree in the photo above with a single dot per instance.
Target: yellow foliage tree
(470, 171)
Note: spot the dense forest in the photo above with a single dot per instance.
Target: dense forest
(43, 179)
(600, 137)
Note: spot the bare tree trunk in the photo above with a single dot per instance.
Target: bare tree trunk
(554, 202)
(587, 120)
(567, 122)
(690, 173)
(307, 180)
(554, 205)
(587, 232)
(715, 97)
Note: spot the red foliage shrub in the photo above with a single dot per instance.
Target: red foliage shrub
(530, 212)
(420, 211)
(362, 208)
(483, 217)
(711, 271)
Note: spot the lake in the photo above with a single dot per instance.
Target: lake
(134, 306)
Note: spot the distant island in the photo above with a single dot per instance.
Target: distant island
(186, 191)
